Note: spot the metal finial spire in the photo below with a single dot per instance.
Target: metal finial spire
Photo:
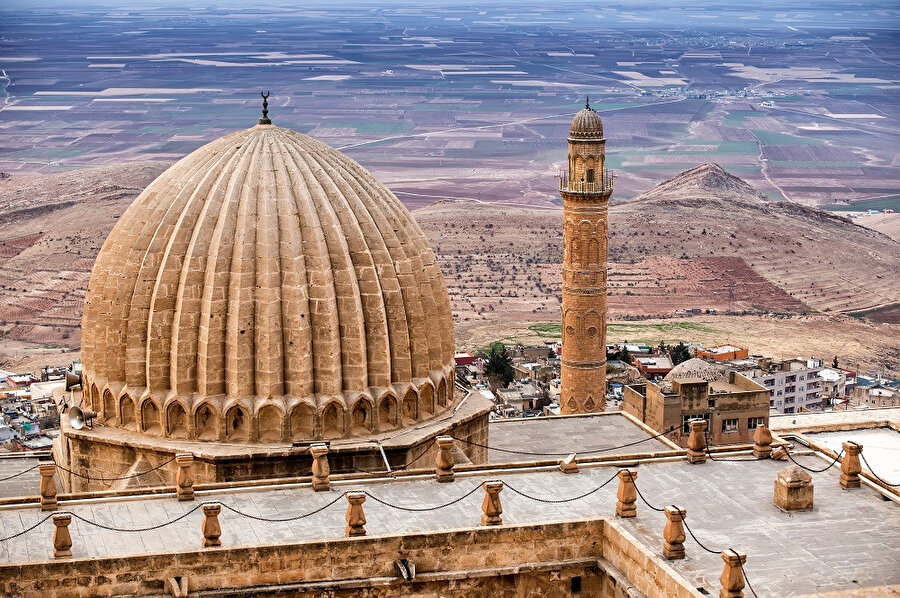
(265, 120)
(587, 102)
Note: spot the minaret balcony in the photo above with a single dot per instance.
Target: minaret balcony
(602, 185)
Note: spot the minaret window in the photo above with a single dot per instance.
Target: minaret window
(590, 175)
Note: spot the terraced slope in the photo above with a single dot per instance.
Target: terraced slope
(704, 239)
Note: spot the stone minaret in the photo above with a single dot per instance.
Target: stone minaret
(585, 188)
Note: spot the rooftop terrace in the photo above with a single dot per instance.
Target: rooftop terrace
(847, 541)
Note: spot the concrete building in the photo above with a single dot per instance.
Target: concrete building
(722, 353)
(585, 187)
(656, 366)
(834, 386)
(793, 384)
(875, 396)
(731, 403)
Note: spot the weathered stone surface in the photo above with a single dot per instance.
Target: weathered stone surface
(184, 479)
(212, 531)
(491, 507)
(673, 533)
(585, 191)
(48, 486)
(850, 465)
(321, 471)
(696, 444)
(62, 539)
(626, 495)
(732, 578)
(444, 460)
(266, 289)
(793, 489)
(762, 442)
(355, 517)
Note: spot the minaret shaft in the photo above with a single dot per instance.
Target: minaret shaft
(585, 188)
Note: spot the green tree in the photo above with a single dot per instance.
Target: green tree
(834, 363)
(498, 367)
(680, 353)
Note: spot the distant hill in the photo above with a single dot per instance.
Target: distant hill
(703, 239)
(826, 261)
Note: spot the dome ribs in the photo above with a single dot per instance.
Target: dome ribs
(167, 288)
(416, 248)
(367, 248)
(326, 352)
(295, 317)
(339, 246)
(267, 270)
(187, 317)
(107, 307)
(267, 300)
(216, 280)
(402, 255)
(140, 322)
(240, 319)
(387, 251)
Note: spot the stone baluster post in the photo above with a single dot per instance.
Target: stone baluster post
(212, 531)
(762, 442)
(627, 494)
(444, 461)
(356, 517)
(321, 472)
(184, 477)
(62, 539)
(732, 578)
(850, 466)
(696, 451)
(491, 507)
(48, 486)
(673, 533)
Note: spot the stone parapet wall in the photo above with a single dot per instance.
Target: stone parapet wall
(523, 560)
(113, 454)
(650, 575)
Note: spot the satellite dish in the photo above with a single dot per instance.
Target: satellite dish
(78, 417)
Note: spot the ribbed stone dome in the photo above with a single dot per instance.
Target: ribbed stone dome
(266, 288)
(586, 123)
(697, 368)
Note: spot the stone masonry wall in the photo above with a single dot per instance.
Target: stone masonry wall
(501, 561)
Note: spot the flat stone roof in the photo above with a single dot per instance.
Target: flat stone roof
(834, 420)
(568, 434)
(881, 448)
(27, 484)
(847, 541)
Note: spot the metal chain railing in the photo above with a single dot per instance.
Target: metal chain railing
(116, 479)
(712, 458)
(560, 500)
(15, 475)
(535, 454)
(422, 509)
(872, 471)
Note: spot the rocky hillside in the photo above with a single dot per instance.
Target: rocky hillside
(823, 260)
(702, 239)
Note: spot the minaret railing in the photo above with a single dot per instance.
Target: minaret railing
(570, 185)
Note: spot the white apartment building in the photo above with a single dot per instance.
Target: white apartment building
(793, 384)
